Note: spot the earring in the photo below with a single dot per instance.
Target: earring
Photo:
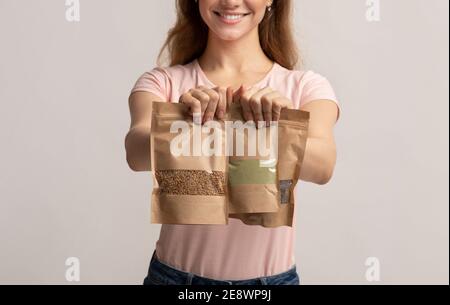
(269, 8)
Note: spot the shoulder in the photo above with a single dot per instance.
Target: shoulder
(304, 85)
(164, 80)
(174, 72)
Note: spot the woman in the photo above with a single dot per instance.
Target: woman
(226, 51)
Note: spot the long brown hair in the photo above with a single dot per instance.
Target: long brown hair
(188, 38)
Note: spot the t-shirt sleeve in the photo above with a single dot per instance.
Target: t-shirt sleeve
(156, 81)
(316, 87)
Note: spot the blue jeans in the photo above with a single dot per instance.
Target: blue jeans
(162, 274)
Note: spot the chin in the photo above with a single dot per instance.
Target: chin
(229, 35)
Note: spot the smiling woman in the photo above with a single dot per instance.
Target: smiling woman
(272, 20)
(225, 52)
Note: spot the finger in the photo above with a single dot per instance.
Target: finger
(211, 108)
(244, 100)
(237, 97)
(202, 97)
(266, 103)
(191, 102)
(237, 94)
(229, 97)
(276, 110)
(222, 103)
(256, 106)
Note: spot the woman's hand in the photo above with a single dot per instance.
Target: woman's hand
(204, 103)
(261, 105)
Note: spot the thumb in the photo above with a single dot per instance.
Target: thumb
(238, 93)
(229, 97)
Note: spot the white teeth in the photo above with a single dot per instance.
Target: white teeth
(231, 17)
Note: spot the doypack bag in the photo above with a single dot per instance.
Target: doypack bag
(252, 165)
(190, 187)
(292, 137)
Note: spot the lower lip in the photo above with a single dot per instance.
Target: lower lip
(230, 21)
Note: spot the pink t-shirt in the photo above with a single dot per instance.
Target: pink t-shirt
(235, 251)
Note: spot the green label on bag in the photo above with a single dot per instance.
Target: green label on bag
(252, 172)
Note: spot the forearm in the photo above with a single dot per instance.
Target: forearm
(137, 145)
(319, 160)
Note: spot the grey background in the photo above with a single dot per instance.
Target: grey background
(66, 190)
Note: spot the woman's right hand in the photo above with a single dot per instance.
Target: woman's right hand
(204, 103)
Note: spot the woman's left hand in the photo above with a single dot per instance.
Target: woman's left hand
(261, 105)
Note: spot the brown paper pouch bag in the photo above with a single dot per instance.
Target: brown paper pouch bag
(293, 134)
(189, 188)
(252, 173)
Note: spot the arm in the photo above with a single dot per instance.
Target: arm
(137, 141)
(320, 154)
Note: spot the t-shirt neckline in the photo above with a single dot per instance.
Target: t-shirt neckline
(259, 83)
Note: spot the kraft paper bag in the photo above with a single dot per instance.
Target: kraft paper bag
(253, 175)
(189, 187)
(293, 134)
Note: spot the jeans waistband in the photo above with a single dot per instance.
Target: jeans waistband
(191, 278)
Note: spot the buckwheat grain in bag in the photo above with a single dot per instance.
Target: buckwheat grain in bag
(293, 133)
(252, 165)
(189, 185)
